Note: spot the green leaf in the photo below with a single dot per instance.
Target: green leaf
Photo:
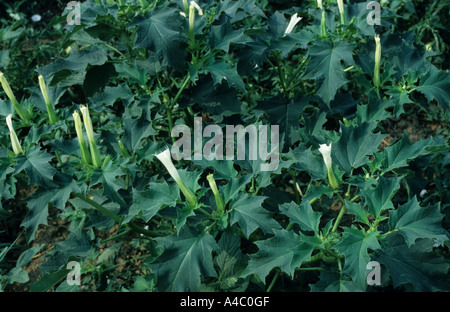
(303, 215)
(224, 36)
(187, 258)
(355, 209)
(305, 160)
(160, 31)
(220, 70)
(326, 68)
(436, 85)
(148, 202)
(414, 222)
(286, 251)
(109, 176)
(232, 189)
(399, 154)
(355, 144)
(355, 247)
(38, 206)
(72, 69)
(330, 281)
(378, 198)
(35, 162)
(250, 215)
(284, 113)
(136, 130)
(416, 265)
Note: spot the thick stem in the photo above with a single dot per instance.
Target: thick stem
(341, 213)
(99, 207)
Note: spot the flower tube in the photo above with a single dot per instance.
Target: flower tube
(90, 134)
(325, 150)
(48, 103)
(294, 21)
(17, 149)
(166, 158)
(23, 114)
(341, 10)
(376, 70)
(193, 6)
(85, 156)
(219, 200)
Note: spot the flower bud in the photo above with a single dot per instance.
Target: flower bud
(194, 6)
(23, 114)
(294, 20)
(319, 4)
(341, 10)
(219, 200)
(376, 70)
(48, 103)
(325, 150)
(17, 149)
(166, 160)
(85, 156)
(91, 139)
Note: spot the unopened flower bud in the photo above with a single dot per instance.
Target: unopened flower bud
(23, 114)
(219, 200)
(17, 149)
(48, 103)
(85, 155)
(376, 70)
(91, 139)
(341, 10)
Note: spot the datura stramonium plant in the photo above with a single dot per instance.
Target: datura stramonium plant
(294, 21)
(85, 155)
(23, 114)
(166, 159)
(325, 150)
(96, 161)
(17, 149)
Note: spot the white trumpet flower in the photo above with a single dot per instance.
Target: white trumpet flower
(325, 150)
(294, 21)
(17, 149)
(166, 158)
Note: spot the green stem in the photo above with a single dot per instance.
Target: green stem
(205, 212)
(277, 274)
(341, 214)
(99, 207)
(281, 74)
(183, 86)
(170, 119)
